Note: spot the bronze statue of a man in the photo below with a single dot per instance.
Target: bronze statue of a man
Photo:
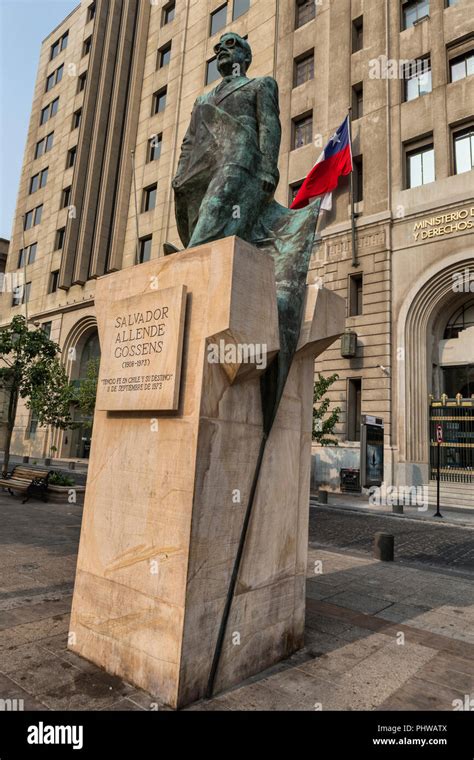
(228, 168)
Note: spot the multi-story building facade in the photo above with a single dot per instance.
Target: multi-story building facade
(116, 83)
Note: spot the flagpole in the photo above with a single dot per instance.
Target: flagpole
(355, 262)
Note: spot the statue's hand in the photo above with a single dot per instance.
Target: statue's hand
(268, 187)
(268, 183)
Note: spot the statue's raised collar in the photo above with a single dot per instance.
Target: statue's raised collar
(229, 85)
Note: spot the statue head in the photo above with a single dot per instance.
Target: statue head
(234, 55)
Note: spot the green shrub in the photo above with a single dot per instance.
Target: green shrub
(58, 479)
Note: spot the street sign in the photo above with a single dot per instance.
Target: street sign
(439, 434)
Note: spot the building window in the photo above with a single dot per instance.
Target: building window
(462, 66)
(413, 11)
(86, 46)
(21, 294)
(293, 191)
(212, 72)
(464, 150)
(59, 45)
(240, 7)
(358, 170)
(417, 78)
(32, 426)
(451, 3)
(302, 131)
(53, 281)
(304, 69)
(355, 294)
(159, 101)
(145, 249)
(154, 147)
(358, 34)
(354, 399)
(305, 11)
(38, 180)
(90, 12)
(218, 20)
(168, 13)
(27, 255)
(76, 118)
(420, 166)
(59, 241)
(66, 197)
(71, 157)
(149, 198)
(50, 110)
(164, 55)
(44, 145)
(46, 327)
(81, 82)
(54, 78)
(33, 217)
(358, 101)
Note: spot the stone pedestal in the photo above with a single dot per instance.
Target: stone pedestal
(167, 490)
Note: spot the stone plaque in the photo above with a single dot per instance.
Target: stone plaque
(141, 348)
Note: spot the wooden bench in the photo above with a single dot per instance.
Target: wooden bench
(28, 480)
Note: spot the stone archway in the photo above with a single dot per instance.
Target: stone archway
(422, 312)
(72, 350)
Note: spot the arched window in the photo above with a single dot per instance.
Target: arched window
(462, 318)
(90, 351)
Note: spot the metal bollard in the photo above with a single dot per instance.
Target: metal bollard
(384, 546)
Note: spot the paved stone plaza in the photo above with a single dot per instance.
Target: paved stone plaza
(378, 636)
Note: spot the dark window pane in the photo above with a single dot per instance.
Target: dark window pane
(149, 198)
(413, 11)
(28, 220)
(304, 69)
(464, 150)
(357, 34)
(38, 214)
(54, 107)
(32, 252)
(302, 131)
(145, 249)
(86, 48)
(211, 71)
(49, 142)
(305, 11)
(164, 56)
(169, 11)
(91, 12)
(159, 101)
(240, 7)
(34, 183)
(59, 74)
(66, 198)
(218, 19)
(55, 49)
(43, 178)
(76, 118)
(64, 40)
(53, 285)
(22, 257)
(154, 150)
(49, 82)
(44, 115)
(39, 150)
(60, 238)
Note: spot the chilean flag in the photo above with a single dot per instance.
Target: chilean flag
(335, 161)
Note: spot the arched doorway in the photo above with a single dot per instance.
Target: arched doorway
(81, 347)
(432, 309)
(81, 435)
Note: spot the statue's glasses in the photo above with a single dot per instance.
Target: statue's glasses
(229, 43)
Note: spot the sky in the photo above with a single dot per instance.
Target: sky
(23, 26)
